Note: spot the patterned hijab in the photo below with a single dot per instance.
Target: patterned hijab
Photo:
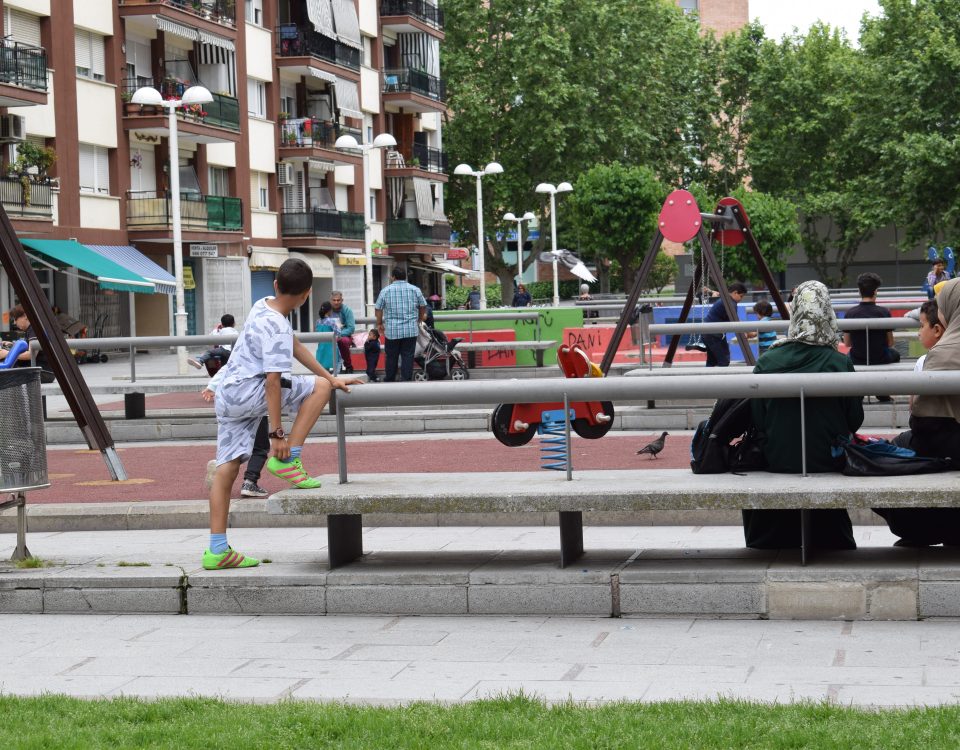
(812, 320)
(944, 356)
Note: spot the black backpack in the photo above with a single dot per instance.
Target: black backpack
(710, 450)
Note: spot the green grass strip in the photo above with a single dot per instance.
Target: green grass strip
(515, 722)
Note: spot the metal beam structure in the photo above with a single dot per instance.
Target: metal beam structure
(54, 345)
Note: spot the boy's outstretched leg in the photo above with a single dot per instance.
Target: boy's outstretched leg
(308, 413)
(220, 556)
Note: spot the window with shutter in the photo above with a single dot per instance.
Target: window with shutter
(22, 27)
(94, 169)
(256, 98)
(293, 195)
(90, 54)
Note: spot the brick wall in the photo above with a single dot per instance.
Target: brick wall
(723, 16)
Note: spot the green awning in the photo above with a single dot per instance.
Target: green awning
(107, 274)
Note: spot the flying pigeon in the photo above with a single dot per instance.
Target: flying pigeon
(571, 261)
(655, 447)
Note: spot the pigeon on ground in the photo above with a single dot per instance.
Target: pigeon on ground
(655, 447)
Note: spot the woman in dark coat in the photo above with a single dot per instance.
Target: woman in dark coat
(810, 346)
(934, 431)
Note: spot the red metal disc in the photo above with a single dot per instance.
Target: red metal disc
(732, 237)
(680, 217)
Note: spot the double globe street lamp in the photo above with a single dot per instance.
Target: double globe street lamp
(350, 143)
(463, 170)
(528, 216)
(546, 187)
(192, 96)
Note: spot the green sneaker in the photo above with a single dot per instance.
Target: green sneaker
(229, 559)
(293, 472)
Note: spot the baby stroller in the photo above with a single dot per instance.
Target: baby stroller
(438, 357)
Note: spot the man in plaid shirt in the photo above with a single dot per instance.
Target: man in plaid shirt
(400, 308)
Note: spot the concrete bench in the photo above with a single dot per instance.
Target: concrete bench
(595, 492)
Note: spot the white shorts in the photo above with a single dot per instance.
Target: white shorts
(241, 406)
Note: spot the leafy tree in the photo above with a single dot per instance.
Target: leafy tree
(664, 272)
(908, 125)
(550, 88)
(803, 147)
(614, 210)
(773, 222)
(726, 70)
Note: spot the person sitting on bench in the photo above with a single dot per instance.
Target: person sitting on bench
(221, 351)
(810, 346)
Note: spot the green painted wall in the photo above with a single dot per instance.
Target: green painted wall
(552, 322)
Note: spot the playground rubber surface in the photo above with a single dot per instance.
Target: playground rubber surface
(177, 472)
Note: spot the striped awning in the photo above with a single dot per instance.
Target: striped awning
(424, 197)
(322, 166)
(323, 75)
(348, 25)
(217, 41)
(321, 16)
(177, 29)
(348, 98)
(133, 260)
(64, 254)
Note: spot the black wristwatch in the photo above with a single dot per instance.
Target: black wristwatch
(278, 433)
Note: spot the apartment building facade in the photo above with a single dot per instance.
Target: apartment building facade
(260, 177)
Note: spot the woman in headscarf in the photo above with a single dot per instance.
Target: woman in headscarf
(934, 431)
(810, 346)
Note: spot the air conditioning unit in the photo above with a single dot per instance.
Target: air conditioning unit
(12, 129)
(284, 174)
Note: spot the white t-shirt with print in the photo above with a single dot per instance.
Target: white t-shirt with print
(265, 345)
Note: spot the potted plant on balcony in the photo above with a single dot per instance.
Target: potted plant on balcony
(30, 166)
(129, 108)
(282, 117)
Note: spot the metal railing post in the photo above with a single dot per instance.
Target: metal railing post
(803, 434)
(341, 441)
(566, 429)
(133, 363)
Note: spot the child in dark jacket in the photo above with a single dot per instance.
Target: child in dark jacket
(371, 350)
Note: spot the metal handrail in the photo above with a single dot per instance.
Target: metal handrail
(743, 326)
(665, 386)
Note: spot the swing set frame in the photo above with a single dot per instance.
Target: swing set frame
(680, 221)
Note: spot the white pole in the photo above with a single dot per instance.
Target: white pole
(181, 314)
(520, 251)
(553, 242)
(481, 245)
(367, 241)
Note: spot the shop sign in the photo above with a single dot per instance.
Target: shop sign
(351, 260)
(457, 253)
(203, 251)
(188, 280)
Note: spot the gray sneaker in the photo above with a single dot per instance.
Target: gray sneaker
(194, 363)
(252, 489)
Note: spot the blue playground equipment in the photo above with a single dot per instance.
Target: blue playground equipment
(932, 253)
(554, 445)
(18, 348)
(951, 260)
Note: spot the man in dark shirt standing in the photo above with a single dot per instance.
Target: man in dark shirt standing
(718, 350)
(876, 346)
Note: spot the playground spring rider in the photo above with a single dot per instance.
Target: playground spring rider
(516, 424)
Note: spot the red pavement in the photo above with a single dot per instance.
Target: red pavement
(178, 472)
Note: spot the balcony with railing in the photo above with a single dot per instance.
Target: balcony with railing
(221, 12)
(296, 41)
(414, 90)
(321, 223)
(149, 209)
(417, 156)
(222, 112)
(412, 232)
(23, 74)
(303, 137)
(422, 11)
(26, 199)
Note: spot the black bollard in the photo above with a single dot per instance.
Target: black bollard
(134, 405)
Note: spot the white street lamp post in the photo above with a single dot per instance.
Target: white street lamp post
(491, 168)
(349, 143)
(546, 187)
(193, 95)
(528, 216)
